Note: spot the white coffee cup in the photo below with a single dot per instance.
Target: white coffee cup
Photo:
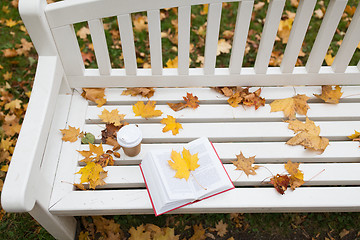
(129, 137)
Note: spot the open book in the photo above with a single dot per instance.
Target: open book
(168, 193)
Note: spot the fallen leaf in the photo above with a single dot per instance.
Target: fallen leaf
(228, 34)
(140, 23)
(205, 9)
(290, 106)
(143, 91)
(146, 111)
(96, 95)
(294, 3)
(107, 227)
(243, 96)
(235, 99)
(5, 9)
(183, 165)
(71, 134)
(139, 233)
(13, 105)
(355, 136)
(296, 175)
(285, 29)
(9, 52)
(112, 117)
(199, 233)
(10, 23)
(259, 5)
(223, 47)
(329, 95)
(172, 63)
(83, 32)
(280, 183)
(343, 233)
(221, 228)
(109, 131)
(350, 10)
(88, 138)
(87, 57)
(319, 13)
(190, 101)
(245, 164)
(113, 142)
(308, 135)
(7, 76)
(4, 168)
(329, 59)
(171, 124)
(93, 174)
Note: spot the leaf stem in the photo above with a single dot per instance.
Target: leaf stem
(197, 181)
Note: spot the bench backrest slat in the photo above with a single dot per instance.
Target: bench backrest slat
(184, 14)
(155, 41)
(127, 43)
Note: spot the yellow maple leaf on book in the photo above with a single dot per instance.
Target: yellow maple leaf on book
(183, 164)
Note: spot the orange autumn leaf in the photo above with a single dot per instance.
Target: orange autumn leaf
(296, 175)
(183, 164)
(245, 164)
(93, 174)
(330, 95)
(355, 136)
(9, 53)
(96, 95)
(190, 101)
(146, 111)
(143, 91)
(280, 182)
(171, 124)
(71, 134)
(291, 106)
(112, 117)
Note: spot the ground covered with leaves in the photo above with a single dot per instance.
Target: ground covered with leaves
(18, 60)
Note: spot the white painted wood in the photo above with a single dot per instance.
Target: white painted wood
(349, 44)
(68, 158)
(69, 51)
(127, 43)
(137, 201)
(212, 37)
(100, 46)
(72, 11)
(240, 35)
(268, 35)
(221, 77)
(326, 32)
(234, 131)
(297, 34)
(184, 14)
(25, 164)
(155, 41)
(271, 152)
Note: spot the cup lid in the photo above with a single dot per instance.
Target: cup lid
(129, 136)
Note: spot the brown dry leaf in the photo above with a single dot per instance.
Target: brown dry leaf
(280, 182)
(308, 135)
(9, 53)
(243, 96)
(221, 228)
(111, 141)
(93, 174)
(71, 135)
(284, 29)
(329, 95)
(83, 32)
(245, 164)
(254, 99)
(107, 227)
(199, 233)
(259, 5)
(139, 233)
(227, 34)
(235, 100)
(343, 233)
(143, 91)
(190, 101)
(109, 131)
(24, 47)
(11, 125)
(7, 76)
(171, 124)
(13, 105)
(96, 95)
(223, 47)
(87, 57)
(350, 10)
(294, 3)
(290, 106)
(146, 111)
(296, 175)
(140, 23)
(112, 117)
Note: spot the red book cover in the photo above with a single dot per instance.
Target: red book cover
(151, 200)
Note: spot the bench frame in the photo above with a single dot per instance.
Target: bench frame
(35, 180)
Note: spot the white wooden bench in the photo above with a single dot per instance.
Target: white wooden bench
(40, 177)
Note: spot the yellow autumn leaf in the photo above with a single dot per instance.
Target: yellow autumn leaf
(183, 165)
(329, 95)
(98, 150)
(10, 23)
(112, 117)
(223, 47)
(296, 175)
(329, 59)
(14, 104)
(146, 111)
(7, 76)
(71, 134)
(205, 9)
(93, 174)
(172, 63)
(96, 95)
(5, 168)
(284, 29)
(290, 106)
(140, 23)
(171, 124)
(355, 135)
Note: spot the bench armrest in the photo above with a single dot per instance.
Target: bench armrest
(20, 190)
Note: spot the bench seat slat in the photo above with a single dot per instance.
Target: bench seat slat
(324, 174)
(271, 152)
(314, 199)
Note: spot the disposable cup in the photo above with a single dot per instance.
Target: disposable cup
(129, 137)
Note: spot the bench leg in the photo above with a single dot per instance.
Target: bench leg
(58, 227)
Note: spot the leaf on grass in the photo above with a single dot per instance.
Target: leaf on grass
(183, 165)
(290, 106)
(223, 46)
(107, 228)
(284, 29)
(355, 136)
(296, 175)
(199, 233)
(9, 53)
(13, 105)
(190, 101)
(245, 164)
(308, 135)
(329, 59)
(112, 117)
(83, 32)
(143, 91)
(139, 233)
(221, 228)
(329, 95)
(171, 124)
(146, 111)
(172, 63)
(71, 134)
(96, 95)
(280, 182)
(93, 174)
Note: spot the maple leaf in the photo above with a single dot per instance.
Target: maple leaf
(83, 32)
(172, 63)
(350, 10)
(205, 9)
(280, 183)
(329, 95)
(221, 228)
(112, 117)
(259, 6)
(290, 106)
(146, 111)
(7, 76)
(223, 47)
(190, 101)
(254, 99)
(107, 227)
(143, 91)
(296, 175)
(183, 165)
(11, 125)
(139, 233)
(226, 91)
(113, 142)
(15, 104)
(355, 136)
(245, 164)
(98, 150)
(109, 131)
(96, 95)
(308, 135)
(284, 29)
(92, 173)
(140, 23)
(319, 13)
(171, 124)
(329, 59)
(10, 23)
(87, 57)
(71, 134)
(199, 233)
(9, 53)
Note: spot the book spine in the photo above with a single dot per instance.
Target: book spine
(222, 165)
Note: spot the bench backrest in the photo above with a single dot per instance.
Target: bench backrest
(59, 37)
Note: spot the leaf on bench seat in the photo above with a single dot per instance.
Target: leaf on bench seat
(280, 182)
(355, 136)
(245, 164)
(112, 117)
(291, 106)
(96, 95)
(190, 101)
(296, 175)
(71, 134)
(143, 91)
(329, 95)
(146, 111)
(93, 174)
(171, 124)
